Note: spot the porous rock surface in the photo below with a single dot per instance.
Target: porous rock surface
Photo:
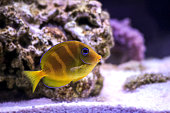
(28, 29)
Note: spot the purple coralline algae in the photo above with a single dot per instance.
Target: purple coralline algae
(129, 42)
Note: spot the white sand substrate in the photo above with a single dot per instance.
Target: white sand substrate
(147, 98)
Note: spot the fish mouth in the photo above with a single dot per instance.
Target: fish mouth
(99, 58)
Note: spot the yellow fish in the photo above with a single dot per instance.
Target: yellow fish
(65, 62)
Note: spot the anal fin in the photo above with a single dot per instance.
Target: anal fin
(54, 83)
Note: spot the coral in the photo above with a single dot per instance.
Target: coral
(28, 29)
(129, 42)
(134, 82)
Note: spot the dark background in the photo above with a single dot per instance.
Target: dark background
(151, 17)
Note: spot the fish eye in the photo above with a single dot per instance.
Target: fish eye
(85, 51)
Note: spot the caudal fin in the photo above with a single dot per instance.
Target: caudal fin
(34, 77)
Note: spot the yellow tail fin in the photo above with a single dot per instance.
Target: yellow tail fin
(34, 77)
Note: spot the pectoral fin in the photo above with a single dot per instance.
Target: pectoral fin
(73, 69)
